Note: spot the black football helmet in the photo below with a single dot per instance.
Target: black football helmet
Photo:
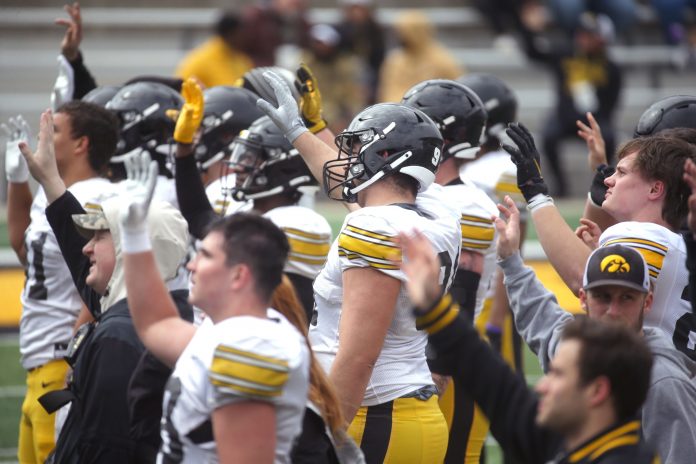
(383, 139)
(101, 95)
(668, 113)
(228, 111)
(457, 111)
(253, 80)
(144, 114)
(266, 164)
(498, 99)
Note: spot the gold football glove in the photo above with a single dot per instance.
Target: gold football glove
(191, 114)
(310, 99)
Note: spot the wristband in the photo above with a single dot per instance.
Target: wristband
(540, 200)
(136, 241)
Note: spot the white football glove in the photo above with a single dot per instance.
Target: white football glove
(16, 130)
(138, 190)
(287, 115)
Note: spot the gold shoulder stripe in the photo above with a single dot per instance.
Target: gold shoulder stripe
(626, 429)
(479, 219)
(245, 372)
(616, 443)
(372, 249)
(372, 262)
(367, 233)
(475, 246)
(307, 235)
(478, 233)
(308, 248)
(637, 241)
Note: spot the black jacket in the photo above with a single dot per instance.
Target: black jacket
(117, 386)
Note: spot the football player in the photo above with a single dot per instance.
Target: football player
(239, 386)
(85, 138)
(361, 331)
(461, 117)
(647, 196)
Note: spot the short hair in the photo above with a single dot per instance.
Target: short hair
(99, 125)
(255, 241)
(662, 158)
(686, 134)
(404, 182)
(611, 350)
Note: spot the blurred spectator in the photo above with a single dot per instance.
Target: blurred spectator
(672, 15)
(586, 80)
(273, 28)
(362, 35)
(503, 16)
(419, 57)
(220, 60)
(338, 74)
(567, 13)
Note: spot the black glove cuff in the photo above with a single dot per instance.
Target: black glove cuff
(598, 190)
(533, 187)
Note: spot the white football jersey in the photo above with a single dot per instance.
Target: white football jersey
(239, 359)
(367, 240)
(309, 235)
(50, 301)
(665, 253)
(495, 174)
(478, 230)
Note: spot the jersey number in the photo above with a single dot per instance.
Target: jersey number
(172, 449)
(38, 290)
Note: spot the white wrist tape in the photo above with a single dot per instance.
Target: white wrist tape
(539, 200)
(136, 241)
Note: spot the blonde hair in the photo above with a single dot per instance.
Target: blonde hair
(321, 392)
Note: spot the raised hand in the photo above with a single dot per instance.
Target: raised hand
(310, 99)
(191, 114)
(286, 116)
(589, 232)
(70, 45)
(508, 227)
(526, 158)
(16, 130)
(138, 190)
(592, 135)
(422, 267)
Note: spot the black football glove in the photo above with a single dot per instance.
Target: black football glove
(598, 190)
(526, 158)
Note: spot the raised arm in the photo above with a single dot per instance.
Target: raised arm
(566, 252)
(154, 314)
(82, 79)
(190, 190)
(19, 197)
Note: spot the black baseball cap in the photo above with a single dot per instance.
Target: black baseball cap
(616, 265)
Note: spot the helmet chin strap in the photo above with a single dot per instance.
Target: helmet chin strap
(382, 172)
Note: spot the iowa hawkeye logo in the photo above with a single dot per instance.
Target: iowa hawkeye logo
(614, 263)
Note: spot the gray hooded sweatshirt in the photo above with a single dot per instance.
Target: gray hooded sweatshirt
(669, 412)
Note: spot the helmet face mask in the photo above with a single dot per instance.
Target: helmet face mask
(265, 163)
(383, 139)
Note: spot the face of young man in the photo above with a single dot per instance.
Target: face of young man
(102, 259)
(562, 406)
(617, 304)
(627, 190)
(63, 142)
(209, 273)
